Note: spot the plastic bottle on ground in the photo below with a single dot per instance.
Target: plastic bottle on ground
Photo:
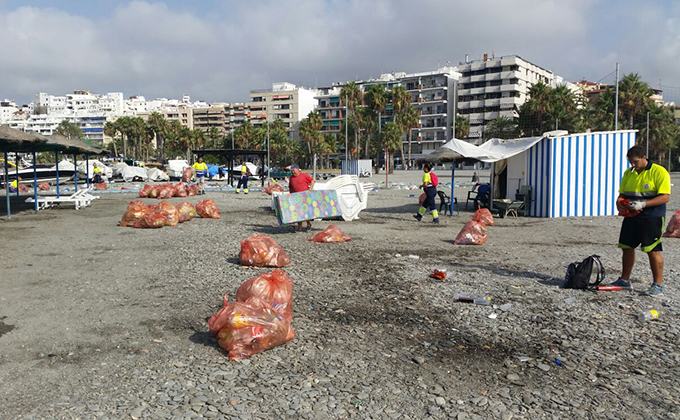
(648, 315)
(461, 297)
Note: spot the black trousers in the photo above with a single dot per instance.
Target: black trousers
(243, 182)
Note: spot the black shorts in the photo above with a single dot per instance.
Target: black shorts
(642, 231)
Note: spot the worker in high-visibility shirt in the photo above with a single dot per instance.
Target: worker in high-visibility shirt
(14, 185)
(201, 170)
(243, 180)
(97, 178)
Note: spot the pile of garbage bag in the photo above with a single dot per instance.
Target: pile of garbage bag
(260, 250)
(273, 188)
(163, 191)
(149, 216)
(331, 234)
(673, 228)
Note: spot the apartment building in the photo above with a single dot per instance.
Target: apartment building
(332, 109)
(496, 86)
(7, 110)
(211, 116)
(284, 101)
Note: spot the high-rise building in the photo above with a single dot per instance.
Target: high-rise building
(496, 87)
(209, 117)
(284, 101)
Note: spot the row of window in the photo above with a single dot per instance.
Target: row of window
(490, 83)
(493, 95)
(490, 70)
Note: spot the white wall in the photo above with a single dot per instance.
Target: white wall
(516, 174)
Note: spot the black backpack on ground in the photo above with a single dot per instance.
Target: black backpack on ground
(579, 274)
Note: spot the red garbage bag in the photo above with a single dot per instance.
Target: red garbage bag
(169, 212)
(155, 191)
(260, 250)
(166, 191)
(247, 328)
(622, 206)
(192, 190)
(473, 233)
(331, 234)
(422, 198)
(275, 288)
(673, 228)
(146, 191)
(44, 186)
(208, 209)
(186, 175)
(273, 188)
(186, 211)
(152, 220)
(179, 190)
(23, 189)
(134, 213)
(101, 186)
(483, 216)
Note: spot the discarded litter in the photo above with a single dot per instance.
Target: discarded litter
(523, 358)
(506, 307)
(414, 257)
(570, 300)
(397, 255)
(516, 290)
(648, 315)
(493, 315)
(461, 297)
(608, 288)
(438, 274)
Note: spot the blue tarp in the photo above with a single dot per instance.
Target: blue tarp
(213, 170)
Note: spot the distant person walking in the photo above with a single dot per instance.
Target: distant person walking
(300, 181)
(97, 179)
(243, 180)
(201, 172)
(648, 187)
(429, 185)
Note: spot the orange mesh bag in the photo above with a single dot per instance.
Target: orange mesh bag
(421, 199)
(483, 216)
(192, 190)
(247, 328)
(186, 175)
(166, 191)
(186, 211)
(208, 209)
(331, 234)
(146, 191)
(134, 213)
(673, 228)
(152, 220)
(273, 188)
(180, 190)
(23, 189)
(155, 190)
(260, 250)
(169, 212)
(44, 186)
(622, 206)
(101, 186)
(275, 288)
(473, 233)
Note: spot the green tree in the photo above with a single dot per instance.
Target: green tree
(376, 97)
(310, 128)
(408, 119)
(634, 97)
(159, 127)
(213, 136)
(501, 128)
(354, 97)
(111, 130)
(391, 141)
(242, 135)
(461, 127)
(71, 130)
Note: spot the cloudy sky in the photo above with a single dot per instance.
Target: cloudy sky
(220, 50)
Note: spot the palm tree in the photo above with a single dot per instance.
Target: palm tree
(354, 97)
(462, 127)
(213, 135)
(376, 98)
(501, 128)
(159, 126)
(366, 120)
(111, 129)
(633, 97)
(408, 119)
(401, 99)
(242, 135)
(391, 139)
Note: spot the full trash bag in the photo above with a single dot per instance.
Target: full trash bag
(192, 190)
(186, 175)
(169, 211)
(134, 213)
(208, 209)
(275, 288)
(273, 188)
(331, 234)
(179, 190)
(23, 189)
(186, 211)
(473, 233)
(44, 186)
(260, 250)
(247, 328)
(152, 220)
(155, 191)
(166, 191)
(145, 191)
(673, 228)
(483, 216)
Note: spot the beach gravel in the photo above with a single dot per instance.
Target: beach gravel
(98, 321)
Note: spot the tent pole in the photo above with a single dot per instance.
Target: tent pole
(87, 169)
(56, 160)
(75, 174)
(453, 174)
(35, 183)
(16, 166)
(9, 213)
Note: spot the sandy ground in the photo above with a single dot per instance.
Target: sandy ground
(98, 321)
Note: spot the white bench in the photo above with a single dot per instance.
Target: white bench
(82, 198)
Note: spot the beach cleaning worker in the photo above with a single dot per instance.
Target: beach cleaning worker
(201, 172)
(97, 179)
(648, 187)
(14, 185)
(300, 181)
(243, 180)
(429, 185)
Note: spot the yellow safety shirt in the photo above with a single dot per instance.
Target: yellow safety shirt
(649, 183)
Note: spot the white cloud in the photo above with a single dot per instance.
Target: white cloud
(155, 50)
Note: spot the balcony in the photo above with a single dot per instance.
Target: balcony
(507, 88)
(492, 102)
(476, 104)
(511, 74)
(477, 91)
(477, 78)
(491, 115)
